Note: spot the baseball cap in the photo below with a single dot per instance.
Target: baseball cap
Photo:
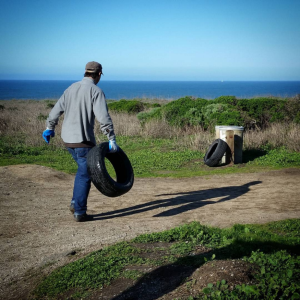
(93, 66)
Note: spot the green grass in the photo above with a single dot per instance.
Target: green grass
(94, 271)
(277, 278)
(274, 249)
(49, 156)
(280, 157)
(149, 158)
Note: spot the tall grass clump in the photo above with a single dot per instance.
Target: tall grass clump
(23, 121)
(159, 128)
(124, 124)
(275, 136)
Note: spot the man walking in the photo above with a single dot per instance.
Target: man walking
(80, 104)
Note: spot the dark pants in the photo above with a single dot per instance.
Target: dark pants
(82, 183)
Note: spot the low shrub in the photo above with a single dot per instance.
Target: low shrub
(226, 110)
(226, 100)
(188, 111)
(154, 113)
(218, 113)
(184, 111)
(42, 117)
(297, 118)
(262, 111)
(50, 105)
(153, 105)
(292, 108)
(193, 117)
(130, 106)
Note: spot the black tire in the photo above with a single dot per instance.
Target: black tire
(99, 175)
(215, 153)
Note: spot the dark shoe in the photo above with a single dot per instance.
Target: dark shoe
(72, 209)
(83, 218)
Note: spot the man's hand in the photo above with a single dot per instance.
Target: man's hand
(47, 134)
(113, 147)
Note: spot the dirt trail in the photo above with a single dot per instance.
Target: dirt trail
(38, 233)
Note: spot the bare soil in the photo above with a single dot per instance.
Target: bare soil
(38, 233)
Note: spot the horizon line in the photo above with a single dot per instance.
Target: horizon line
(132, 80)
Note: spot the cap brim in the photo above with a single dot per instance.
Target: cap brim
(94, 71)
(91, 71)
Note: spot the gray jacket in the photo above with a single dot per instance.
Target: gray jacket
(81, 103)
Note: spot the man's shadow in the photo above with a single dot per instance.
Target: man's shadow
(183, 201)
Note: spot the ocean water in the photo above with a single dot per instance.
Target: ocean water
(53, 89)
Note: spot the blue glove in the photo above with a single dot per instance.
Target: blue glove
(47, 134)
(113, 147)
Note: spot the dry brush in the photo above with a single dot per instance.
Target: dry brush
(24, 122)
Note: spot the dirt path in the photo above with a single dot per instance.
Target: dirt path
(37, 231)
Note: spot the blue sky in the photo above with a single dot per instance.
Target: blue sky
(151, 40)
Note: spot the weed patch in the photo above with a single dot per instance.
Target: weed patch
(263, 261)
(94, 271)
(280, 157)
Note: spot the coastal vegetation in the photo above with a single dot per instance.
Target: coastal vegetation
(225, 110)
(164, 138)
(169, 139)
